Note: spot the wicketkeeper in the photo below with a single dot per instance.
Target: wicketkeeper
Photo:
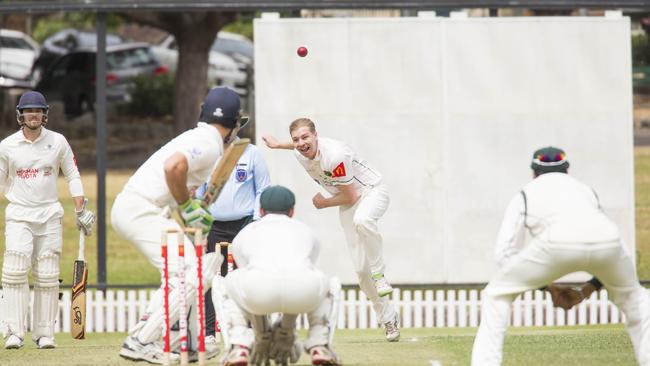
(276, 274)
(30, 161)
(141, 213)
(570, 233)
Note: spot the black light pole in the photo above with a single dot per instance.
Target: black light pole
(100, 115)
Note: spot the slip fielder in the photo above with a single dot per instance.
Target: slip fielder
(569, 233)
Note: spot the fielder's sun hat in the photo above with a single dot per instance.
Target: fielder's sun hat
(221, 106)
(277, 199)
(549, 159)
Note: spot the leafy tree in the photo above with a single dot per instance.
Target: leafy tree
(194, 32)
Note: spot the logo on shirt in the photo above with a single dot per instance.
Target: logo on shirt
(241, 175)
(26, 173)
(47, 171)
(339, 171)
(218, 112)
(195, 152)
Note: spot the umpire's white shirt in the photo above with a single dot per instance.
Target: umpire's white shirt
(202, 146)
(337, 164)
(29, 171)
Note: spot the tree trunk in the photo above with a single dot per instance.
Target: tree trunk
(191, 82)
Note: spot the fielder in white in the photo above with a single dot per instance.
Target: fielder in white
(276, 274)
(30, 161)
(569, 233)
(141, 213)
(362, 198)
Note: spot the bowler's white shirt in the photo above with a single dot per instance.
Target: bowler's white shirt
(29, 172)
(336, 164)
(275, 242)
(202, 146)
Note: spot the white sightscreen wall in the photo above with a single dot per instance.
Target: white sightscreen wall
(450, 111)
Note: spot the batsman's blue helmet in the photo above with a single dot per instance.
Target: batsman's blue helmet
(221, 106)
(31, 99)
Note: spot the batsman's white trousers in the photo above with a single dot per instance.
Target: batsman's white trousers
(540, 264)
(142, 223)
(288, 291)
(364, 241)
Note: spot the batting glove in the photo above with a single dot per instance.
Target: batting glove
(195, 215)
(85, 219)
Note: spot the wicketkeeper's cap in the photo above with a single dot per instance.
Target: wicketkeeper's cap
(221, 106)
(549, 159)
(277, 199)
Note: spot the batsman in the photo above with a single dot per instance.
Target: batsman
(140, 212)
(30, 161)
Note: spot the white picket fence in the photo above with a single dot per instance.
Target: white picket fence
(117, 311)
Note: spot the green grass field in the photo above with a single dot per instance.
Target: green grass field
(592, 345)
(123, 258)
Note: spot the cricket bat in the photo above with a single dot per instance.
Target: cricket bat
(223, 170)
(78, 303)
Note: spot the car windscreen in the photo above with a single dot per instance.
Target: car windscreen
(13, 42)
(229, 46)
(130, 58)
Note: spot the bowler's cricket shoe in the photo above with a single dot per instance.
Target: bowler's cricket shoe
(45, 343)
(13, 342)
(323, 355)
(382, 286)
(238, 356)
(132, 349)
(392, 329)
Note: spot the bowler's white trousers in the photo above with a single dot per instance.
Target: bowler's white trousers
(364, 241)
(288, 291)
(541, 263)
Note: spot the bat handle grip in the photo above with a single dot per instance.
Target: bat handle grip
(82, 243)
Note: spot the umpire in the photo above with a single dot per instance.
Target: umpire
(237, 206)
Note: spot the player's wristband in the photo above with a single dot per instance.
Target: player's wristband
(596, 283)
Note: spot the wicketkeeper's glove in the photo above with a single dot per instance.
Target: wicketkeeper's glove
(194, 215)
(565, 296)
(283, 350)
(262, 349)
(85, 219)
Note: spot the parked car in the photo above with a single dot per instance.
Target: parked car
(71, 79)
(17, 54)
(222, 70)
(63, 42)
(234, 45)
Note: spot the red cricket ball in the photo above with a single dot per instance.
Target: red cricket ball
(302, 51)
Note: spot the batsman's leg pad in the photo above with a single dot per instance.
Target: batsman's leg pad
(211, 269)
(323, 320)
(154, 327)
(46, 294)
(15, 292)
